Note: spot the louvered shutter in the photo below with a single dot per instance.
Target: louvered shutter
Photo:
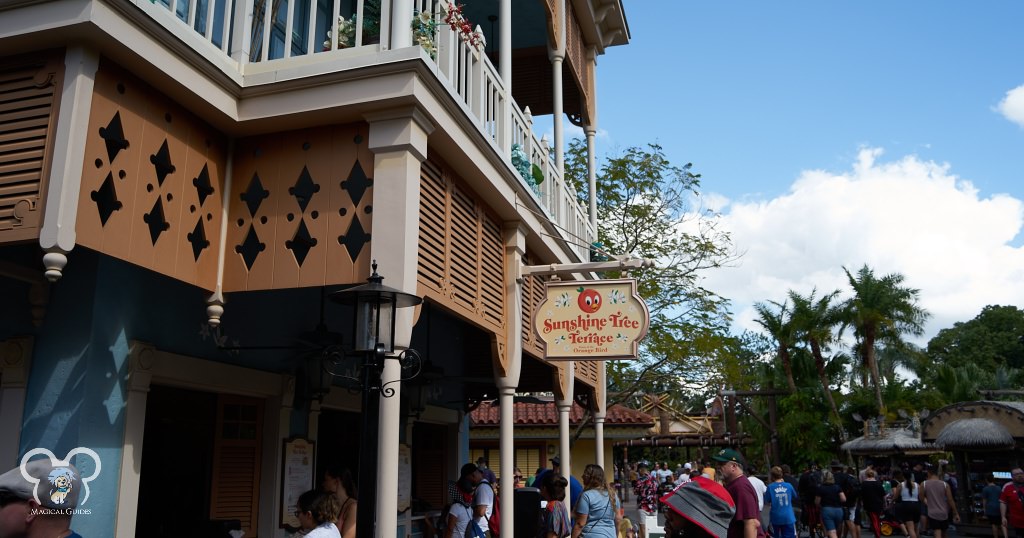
(29, 87)
(236, 461)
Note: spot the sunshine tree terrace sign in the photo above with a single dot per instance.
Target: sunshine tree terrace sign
(591, 320)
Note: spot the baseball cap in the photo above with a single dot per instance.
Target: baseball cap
(728, 454)
(57, 486)
(705, 503)
(687, 466)
(555, 460)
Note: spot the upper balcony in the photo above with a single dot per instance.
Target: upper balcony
(253, 45)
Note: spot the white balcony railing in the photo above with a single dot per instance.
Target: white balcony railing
(304, 28)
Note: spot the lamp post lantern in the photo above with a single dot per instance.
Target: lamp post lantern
(374, 336)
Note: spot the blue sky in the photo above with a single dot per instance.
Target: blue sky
(834, 134)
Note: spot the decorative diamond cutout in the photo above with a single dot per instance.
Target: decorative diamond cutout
(354, 240)
(304, 189)
(113, 137)
(202, 184)
(301, 243)
(162, 163)
(198, 239)
(357, 183)
(156, 221)
(250, 248)
(106, 199)
(254, 195)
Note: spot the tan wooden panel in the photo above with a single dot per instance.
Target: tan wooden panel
(318, 163)
(206, 151)
(288, 216)
(329, 155)
(268, 156)
(115, 100)
(348, 146)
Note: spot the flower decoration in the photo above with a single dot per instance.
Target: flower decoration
(616, 297)
(562, 300)
(424, 28)
(346, 33)
(458, 22)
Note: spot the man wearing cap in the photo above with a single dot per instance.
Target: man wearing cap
(21, 516)
(700, 508)
(747, 521)
(481, 463)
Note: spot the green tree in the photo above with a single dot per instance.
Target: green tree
(775, 318)
(815, 320)
(646, 208)
(994, 338)
(881, 310)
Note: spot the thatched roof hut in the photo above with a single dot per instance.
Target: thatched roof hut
(979, 425)
(890, 442)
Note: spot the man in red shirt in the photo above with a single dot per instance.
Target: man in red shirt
(646, 489)
(747, 521)
(1011, 503)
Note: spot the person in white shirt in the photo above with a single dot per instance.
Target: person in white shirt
(317, 511)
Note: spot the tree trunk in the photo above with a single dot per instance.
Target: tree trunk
(819, 361)
(787, 365)
(872, 362)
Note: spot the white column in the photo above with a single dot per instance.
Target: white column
(15, 357)
(592, 176)
(564, 409)
(398, 139)
(505, 70)
(515, 249)
(401, 21)
(140, 363)
(556, 55)
(57, 236)
(599, 416)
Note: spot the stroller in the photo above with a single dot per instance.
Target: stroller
(888, 523)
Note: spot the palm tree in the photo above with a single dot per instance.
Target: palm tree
(780, 326)
(814, 320)
(882, 309)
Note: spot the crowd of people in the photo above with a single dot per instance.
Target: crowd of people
(720, 500)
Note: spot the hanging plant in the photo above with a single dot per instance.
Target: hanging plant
(460, 25)
(538, 175)
(424, 28)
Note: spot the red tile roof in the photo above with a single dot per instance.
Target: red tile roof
(546, 414)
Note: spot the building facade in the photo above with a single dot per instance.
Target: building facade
(183, 184)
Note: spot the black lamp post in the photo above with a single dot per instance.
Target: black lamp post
(375, 305)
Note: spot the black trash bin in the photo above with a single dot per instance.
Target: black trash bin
(527, 502)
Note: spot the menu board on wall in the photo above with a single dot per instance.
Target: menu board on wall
(404, 477)
(296, 477)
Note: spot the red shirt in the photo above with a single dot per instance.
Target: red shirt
(745, 497)
(1013, 496)
(646, 490)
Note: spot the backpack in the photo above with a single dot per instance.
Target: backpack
(494, 522)
(851, 488)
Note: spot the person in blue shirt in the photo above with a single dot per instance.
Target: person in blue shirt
(575, 487)
(781, 496)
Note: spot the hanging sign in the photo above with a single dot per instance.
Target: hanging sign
(591, 320)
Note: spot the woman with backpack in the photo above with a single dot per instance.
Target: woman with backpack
(553, 519)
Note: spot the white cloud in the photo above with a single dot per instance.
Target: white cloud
(1012, 106)
(907, 216)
